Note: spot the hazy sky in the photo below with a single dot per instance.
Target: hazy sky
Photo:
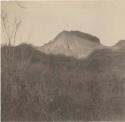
(42, 21)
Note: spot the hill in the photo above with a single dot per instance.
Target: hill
(72, 43)
(119, 46)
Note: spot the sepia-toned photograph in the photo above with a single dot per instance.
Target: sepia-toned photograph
(63, 61)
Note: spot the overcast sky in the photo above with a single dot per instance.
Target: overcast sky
(42, 21)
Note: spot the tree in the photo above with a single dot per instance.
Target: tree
(9, 29)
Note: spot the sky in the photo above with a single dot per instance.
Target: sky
(43, 20)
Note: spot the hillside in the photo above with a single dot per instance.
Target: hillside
(41, 87)
(119, 46)
(72, 43)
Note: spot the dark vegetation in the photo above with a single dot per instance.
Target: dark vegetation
(36, 86)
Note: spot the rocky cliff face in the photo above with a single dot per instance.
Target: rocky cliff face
(72, 43)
